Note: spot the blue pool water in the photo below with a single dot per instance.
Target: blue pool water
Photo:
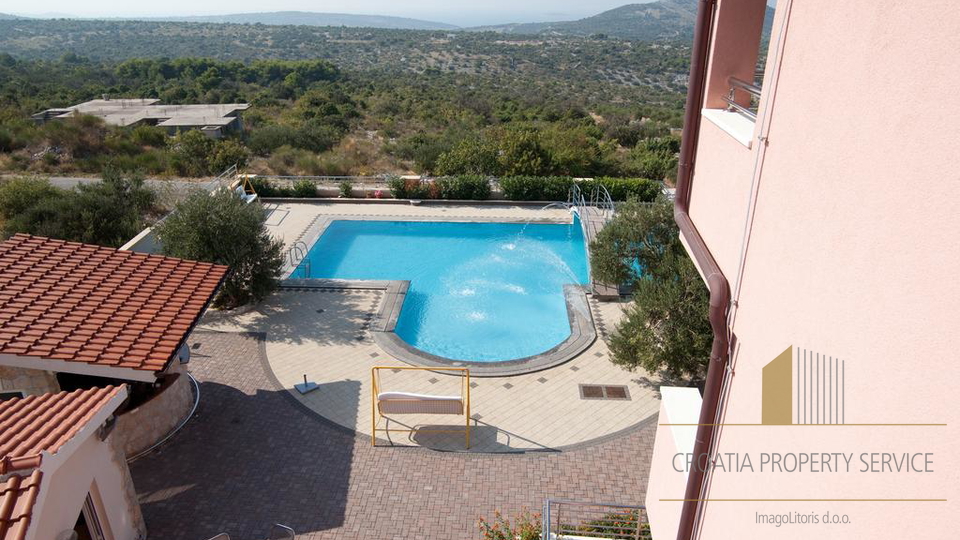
(481, 292)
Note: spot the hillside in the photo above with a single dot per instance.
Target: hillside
(663, 19)
(8, 17)
(309, 18)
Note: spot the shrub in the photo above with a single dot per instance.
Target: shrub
(305, 189)
(316, 137)
(226, 153)
(190, 153)
(287, 160)
(346, 189)
(149, 136)
(263, 187)
(526, 526)
(398, 188)
(19, 194)
(221, 228)
(536, 188)
(463, 187)
(408, 188)
(106, 213)
(264, 140)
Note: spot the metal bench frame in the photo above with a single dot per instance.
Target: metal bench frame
(376, 413)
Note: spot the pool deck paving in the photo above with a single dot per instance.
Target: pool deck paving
(253, 456)
(259, 452)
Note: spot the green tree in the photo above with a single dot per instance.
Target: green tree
(227, 153)
(469, 156)
(191, 152)
(109, 212)
(223, 229)
(665, 328)
(106, 213)
(519, 152)
(655, 158)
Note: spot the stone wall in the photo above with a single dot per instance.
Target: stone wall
(29, 381)
(140, 428)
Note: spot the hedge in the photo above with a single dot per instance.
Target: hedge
(464, 187)
(621, 189)
(557, 188)
(477, 188)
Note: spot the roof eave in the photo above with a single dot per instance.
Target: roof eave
(81, 368)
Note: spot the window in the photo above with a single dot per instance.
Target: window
(742, 30)
(10, 395)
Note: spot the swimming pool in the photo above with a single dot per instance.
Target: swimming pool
(479, 292)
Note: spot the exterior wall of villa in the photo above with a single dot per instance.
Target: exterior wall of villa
(29, 381)
(139, 428)
(128, 491)
(677, 406)
(850, 253)
(92, 468)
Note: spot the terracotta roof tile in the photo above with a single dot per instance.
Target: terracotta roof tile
(60, 300)
(34, 424)
(18, 495)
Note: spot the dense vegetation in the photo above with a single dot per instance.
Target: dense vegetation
(578, 61)
(107, 213)
(665, 328)
(310, 117)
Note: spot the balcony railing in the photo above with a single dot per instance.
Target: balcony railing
(578, 519)
(737, 87)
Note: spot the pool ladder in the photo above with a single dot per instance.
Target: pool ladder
(298, 258)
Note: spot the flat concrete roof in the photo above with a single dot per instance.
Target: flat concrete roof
(125, 112)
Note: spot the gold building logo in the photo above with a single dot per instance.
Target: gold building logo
(803, 387)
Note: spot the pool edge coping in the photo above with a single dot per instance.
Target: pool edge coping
(583, 331)
(315, 229)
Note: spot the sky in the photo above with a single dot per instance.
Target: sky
(460, 13)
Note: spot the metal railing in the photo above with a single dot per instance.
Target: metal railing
(600, 198)
(277, 532)
(375, 179)
(297, 255)
(565, 518)
(752, 90)
(575, 196)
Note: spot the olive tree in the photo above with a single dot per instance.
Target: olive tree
(665, 328)
(221, 228)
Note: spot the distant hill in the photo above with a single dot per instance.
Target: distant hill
(664, 19)
(8, 17)
(309, 18)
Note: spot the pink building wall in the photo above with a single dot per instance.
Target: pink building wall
(83, 465)
(851, 252)
(677, 406)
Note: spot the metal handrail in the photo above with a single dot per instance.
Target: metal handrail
(584, 519)
(752, 89)
(297, 254)
(288, 532)
(575, 196)
(600, 198)
(730, 99)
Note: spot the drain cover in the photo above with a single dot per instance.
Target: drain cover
(598, 391)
